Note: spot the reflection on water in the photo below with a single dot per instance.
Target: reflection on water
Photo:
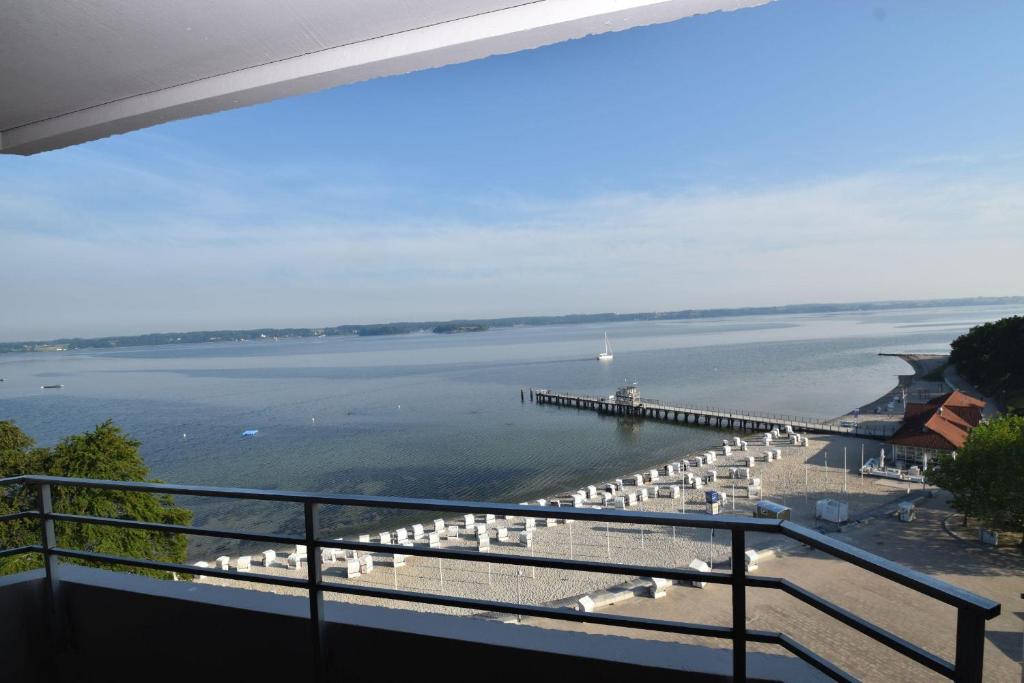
(628, 430)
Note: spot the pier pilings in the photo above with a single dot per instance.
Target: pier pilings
(708, 417)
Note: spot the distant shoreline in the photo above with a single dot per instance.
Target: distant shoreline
(475, 325)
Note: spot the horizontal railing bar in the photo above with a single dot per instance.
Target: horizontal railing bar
(13, 481)
(14, 516)
(922, 583)
(560, 613)
(771, 637)
(531, 561)
(432, 504)
(178, 529)
(890, 640)
(180, 568)
(8, 552)
(822, 665)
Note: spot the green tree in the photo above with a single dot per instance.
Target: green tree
(987, 476)
(103, 453)
(990, 356)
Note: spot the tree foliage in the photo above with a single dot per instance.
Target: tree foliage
(992, 357)
(103, 453)
(987, 476)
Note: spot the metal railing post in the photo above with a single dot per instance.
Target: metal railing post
(316, 596)
(48, 538)
(970, 645)
(739, 607)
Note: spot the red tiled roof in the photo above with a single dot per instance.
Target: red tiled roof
(943, 423)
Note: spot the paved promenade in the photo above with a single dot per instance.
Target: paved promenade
(923, 545)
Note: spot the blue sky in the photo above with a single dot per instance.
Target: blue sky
(806, 150)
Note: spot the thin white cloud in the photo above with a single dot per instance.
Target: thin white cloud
(212, 254)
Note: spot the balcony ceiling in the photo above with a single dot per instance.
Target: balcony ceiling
(77, 71)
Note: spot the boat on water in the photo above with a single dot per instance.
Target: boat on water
(607, 353)
(250, 432)
(52, 386)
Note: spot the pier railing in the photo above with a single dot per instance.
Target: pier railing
(648, 407)
(972, 610)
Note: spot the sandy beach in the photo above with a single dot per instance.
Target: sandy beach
(803, 475)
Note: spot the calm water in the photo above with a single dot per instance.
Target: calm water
(439, 415)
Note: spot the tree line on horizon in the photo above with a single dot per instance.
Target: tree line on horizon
(475, 325)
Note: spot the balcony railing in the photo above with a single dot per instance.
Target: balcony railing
(972, 610)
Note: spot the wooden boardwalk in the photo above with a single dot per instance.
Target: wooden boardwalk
(711, 417)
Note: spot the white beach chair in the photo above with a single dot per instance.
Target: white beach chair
(658, 587)
(350, 569)
(750, 559)
(701, 566)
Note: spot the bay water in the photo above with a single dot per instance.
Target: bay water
(439, 415)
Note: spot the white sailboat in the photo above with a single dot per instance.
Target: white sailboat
(607, 353)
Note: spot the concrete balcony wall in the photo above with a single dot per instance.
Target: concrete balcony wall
(120, 627)
(23, 643)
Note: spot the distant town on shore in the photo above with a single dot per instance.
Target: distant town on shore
(478, 325)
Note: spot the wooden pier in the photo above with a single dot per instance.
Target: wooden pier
(710, 417)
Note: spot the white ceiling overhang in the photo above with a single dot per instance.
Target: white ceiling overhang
(73, 71)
